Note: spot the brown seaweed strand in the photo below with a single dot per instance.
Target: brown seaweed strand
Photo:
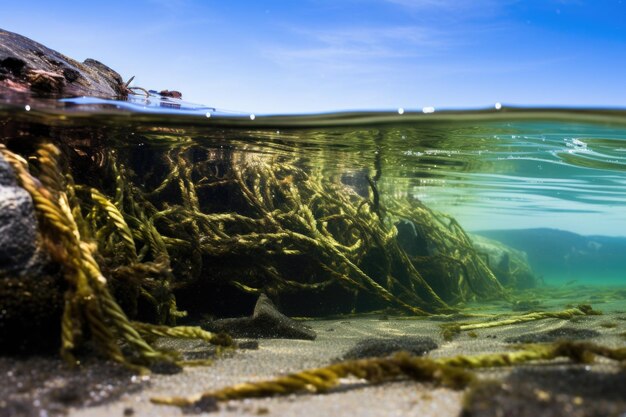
(117, 218)
(449, 330)
(452, 372)
(318, 380)
(182, 332)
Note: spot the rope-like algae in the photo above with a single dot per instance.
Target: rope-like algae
(453, 372)
(88, 301)
(282, 229)
(118, 220)
(318, 380)
(284, 212)
(449, 330)
(182, 332)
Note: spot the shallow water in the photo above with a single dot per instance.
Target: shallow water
(548, 182)
(504, 173)
(329, 215)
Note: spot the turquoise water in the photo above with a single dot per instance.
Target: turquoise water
(549, 182)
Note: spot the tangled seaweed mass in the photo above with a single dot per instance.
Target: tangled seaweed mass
(256, 224)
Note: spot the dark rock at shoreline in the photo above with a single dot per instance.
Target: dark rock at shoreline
(29, 67)
(265, 322)
(171, 94)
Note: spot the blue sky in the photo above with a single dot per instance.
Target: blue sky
(326, 55)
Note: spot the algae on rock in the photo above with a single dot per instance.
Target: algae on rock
(89, 310)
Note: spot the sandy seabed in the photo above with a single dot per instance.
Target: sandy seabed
(131, 393)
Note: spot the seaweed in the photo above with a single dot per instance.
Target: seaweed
(454, 372)
(450, 330)
(130, 236)
(374, 370)
(251, 223)
(89, 308)
(265, 225)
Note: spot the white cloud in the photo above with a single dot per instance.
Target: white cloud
(381, 37)
(356, 49)
(423, 29)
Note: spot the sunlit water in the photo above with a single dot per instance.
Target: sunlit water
(549, 182)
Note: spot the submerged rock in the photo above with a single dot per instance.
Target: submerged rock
(527, 305)
(266, 322)
(19, 252)
(30, 314)
(48, 387)
(372, 348)
(549, 392)
(31, 296)
(562, 333)
(29, 67)
(509, 265)
(412, 239)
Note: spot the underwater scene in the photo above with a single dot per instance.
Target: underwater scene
(168, 259)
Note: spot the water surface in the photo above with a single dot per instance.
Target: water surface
(550, 182)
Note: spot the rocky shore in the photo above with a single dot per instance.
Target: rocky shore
(28, 67)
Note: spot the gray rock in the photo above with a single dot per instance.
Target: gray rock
(31, 292)
(29, 67)
(548, 392)
(19, 253)
(7, 176)
(265, 322)
(374, 348)
(413, 240)
(509, 265)
(562, 333)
